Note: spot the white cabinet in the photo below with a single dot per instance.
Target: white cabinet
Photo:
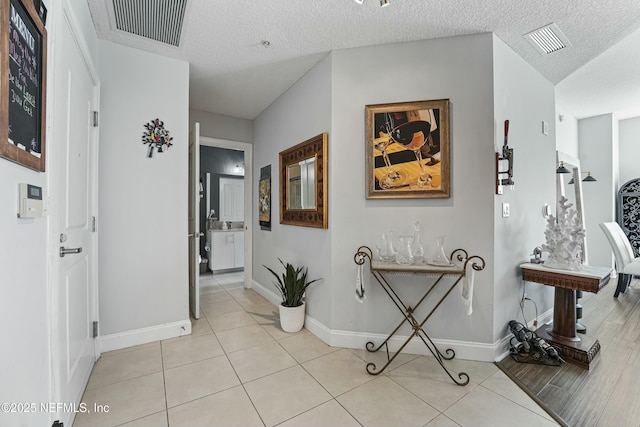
(227, 250)
(238, 241)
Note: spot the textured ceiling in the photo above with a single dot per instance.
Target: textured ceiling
(232, 73)
(609, 83)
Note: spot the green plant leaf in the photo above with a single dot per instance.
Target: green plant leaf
(292, 284)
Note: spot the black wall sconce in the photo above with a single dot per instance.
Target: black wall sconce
(563, 169)
(507, 154)
(587, 178)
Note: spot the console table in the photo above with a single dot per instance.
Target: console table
(580, 350)
(380, 270)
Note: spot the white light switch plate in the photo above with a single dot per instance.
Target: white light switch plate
(505, 210)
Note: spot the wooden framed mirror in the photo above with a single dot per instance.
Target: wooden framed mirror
(303, 184)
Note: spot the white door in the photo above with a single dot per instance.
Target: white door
(194, 221)
(74, 184)
(231, 199)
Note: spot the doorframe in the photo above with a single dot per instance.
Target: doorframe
(248, 197)
(66, 16)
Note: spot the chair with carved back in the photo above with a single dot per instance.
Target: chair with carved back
(627, 265)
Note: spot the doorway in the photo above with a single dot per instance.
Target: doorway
(227, 245)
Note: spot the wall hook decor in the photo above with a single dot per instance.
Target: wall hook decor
(156, 136)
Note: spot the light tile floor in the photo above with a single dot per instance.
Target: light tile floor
(238, 368)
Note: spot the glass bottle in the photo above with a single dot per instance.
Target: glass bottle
(416, 245)
(404, 255)
(386, 252)
(439, 257)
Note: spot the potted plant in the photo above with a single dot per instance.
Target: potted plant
(292, 284)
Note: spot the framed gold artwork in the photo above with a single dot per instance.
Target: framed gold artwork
(407, 146)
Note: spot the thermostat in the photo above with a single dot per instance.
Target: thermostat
(30, 203)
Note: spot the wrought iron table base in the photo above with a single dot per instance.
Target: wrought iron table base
(408, 311)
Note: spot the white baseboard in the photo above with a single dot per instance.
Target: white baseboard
(468, 350)
(142, 336)
(267, 293)
(463, 349)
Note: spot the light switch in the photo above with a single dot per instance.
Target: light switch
(505, 210)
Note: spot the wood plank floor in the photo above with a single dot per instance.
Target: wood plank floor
(608, 394)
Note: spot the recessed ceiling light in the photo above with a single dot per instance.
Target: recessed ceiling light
(548, 39)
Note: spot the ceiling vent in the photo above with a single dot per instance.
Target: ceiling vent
(548, 39)
(159, 20)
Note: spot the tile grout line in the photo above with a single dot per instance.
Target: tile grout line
(421, 399)
(511, 400)
(164, 384)
(238, 376)
(277, 341)
(219, 391)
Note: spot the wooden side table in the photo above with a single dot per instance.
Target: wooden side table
(563, 334)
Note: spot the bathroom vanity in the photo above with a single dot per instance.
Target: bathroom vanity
(227, 249)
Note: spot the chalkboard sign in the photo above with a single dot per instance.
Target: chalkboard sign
(23, 84)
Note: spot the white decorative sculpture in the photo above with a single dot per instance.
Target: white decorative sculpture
(564, 236)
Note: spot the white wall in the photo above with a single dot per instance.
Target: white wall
(629, 151)
(214, 125)
(526, 99)
(598, 138)
(302, 112)
(455, 68)
(460, 69)
(143, 256)
(567, 133)
(24, 305)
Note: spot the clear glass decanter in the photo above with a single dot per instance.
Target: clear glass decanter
(439, 257)
(416, 245)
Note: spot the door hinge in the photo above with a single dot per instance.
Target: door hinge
(94, 225)
(95, 329)
(57, 423)
(96, 119)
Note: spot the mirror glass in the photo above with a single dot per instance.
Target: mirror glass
(303, 184)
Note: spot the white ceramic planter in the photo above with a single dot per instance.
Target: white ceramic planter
(292, 318)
